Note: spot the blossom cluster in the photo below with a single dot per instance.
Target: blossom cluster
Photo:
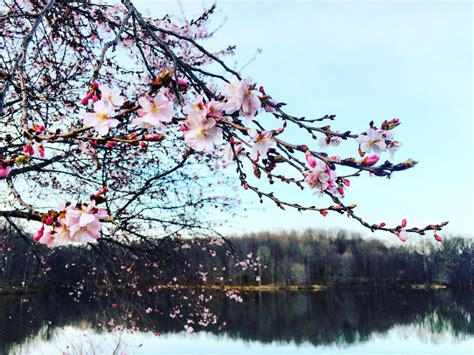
(77, 224)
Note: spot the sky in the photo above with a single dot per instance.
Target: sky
(363, 61)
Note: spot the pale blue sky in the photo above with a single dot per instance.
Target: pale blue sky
(366, 60)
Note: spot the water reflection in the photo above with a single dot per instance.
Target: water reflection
(308, 318)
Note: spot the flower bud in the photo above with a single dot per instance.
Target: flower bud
(39, 129)
(28, 149)
(370, 160)
(438, 238)
(39, 233)
(311, 159)
(404, 223)
(152, 137)
(40, 150)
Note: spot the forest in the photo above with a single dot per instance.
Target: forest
(312, 258)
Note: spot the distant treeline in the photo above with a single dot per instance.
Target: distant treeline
(309, 258)
(319, 257)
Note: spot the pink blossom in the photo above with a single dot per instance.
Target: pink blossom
(111, 96)
(321, 177)
(62, 235)
(47, 238)
(240, 96)
(328, 140)
(231, 150)
(402, 235)
(372, 141)
(86, 234)
(197, 110)
(202, 134)
(100, 119)
(80, 216)
(154, 113)
(262, 143)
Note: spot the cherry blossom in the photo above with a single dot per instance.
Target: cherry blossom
(372, 141)
(261, 144)
(242, 97)
(231, 150)
(197, 110)
(329, 141)
(111, 96)
(320, 177)
(86, 234)
(202, 134)
(100, 119)
(155, 112)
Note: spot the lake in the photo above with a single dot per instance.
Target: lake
(323, 322)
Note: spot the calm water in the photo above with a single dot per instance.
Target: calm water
(394, 322)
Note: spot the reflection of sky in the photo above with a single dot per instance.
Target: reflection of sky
(367, 60)
(399, 340)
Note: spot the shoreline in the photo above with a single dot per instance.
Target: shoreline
(261, 288)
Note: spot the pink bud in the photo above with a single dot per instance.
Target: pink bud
(4, 170)
(336, 158)
(132, 136)
(370, 160)
(231, 140)
(39, 233)
(324, 213)
(40, 150)
(143, 144)
(95, 98)
(382, 224)
(49, 221)
(95, 85)
(39, 129)
(246, 186)
(183, 128)
(310, 159)
(89, 95)
(183, 83)
(404, 223)
(347, 182)
(93, 143)
(340, 189)
(438, 238)
(28, 148)
(111, 144)
(152, 137)
(85, 101)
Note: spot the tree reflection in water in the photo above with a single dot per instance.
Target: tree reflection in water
(321, 318)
